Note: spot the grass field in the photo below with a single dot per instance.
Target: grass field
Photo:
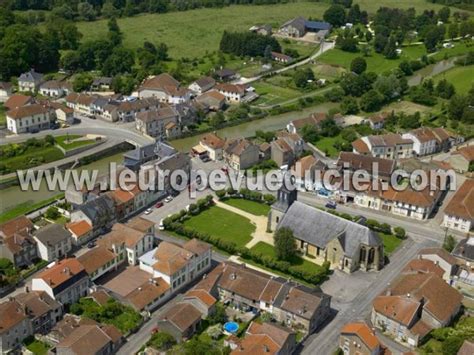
(37, 347)
(27, 207)
(32, 157)
(223, 224)
(253, 207)
(192, 33)
(69, 142)
(269, 250)
(271, 94)
(3, 116)
(390, 243)
(375, 62)
(460, 77)
(326, 144)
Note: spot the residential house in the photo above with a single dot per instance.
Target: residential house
(462, 159)
(464, 253)
(55, 88)
(161, 123)
(101, 83)
(18, 100)
(346, 245)
(281, 152)
(127, 111)
(459, 213)
(389, 146)
(165, 88)
(377, 167)
(308, 173)
(149, 295)
(124, 202)
(90, 339)
(233, 93)
(5, 90)
(202, 85)
(134, 159)
(63, 113)
(15, 326)
(314, 120)
(53, 241)
(81, 103)
(265, 151)
(282, 58)
(428, 140)
(177, 265)
(213, 100)
(100, 213)
(240, 153)
(358, 338)
(81, 232)
(213, 145)
(31, 118)
(247, 289)
(442, 259)
(294, 140)
(225, 74)
(466, 348)
(181, 321)
(413, 305)
(43, 311)
(265, 30)
(408, 202)
(16, 242)
(260, 338)
(122, 245)
(66, 281)
(377, 121)
(299, 26)
(30, 81)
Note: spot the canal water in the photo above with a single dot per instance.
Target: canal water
(12, 196)
(432, 70)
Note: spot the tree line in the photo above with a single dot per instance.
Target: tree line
(248, 44)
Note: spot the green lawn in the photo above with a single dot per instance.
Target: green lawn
(326, 144)
(460, 77)
(69, 142)
(37, 347)
(271, 94)
(390, 243)
(32, 157)
(253, 207)
(222, 224)
(3, 116)
(375, 62)
(269, 250)
(27, 207)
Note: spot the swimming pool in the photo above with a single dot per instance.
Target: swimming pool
(231, 327)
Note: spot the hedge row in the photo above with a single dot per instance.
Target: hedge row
(175, 224)
(247, 195)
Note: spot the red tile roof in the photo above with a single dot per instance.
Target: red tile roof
(363, 332)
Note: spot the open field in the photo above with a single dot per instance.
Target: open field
(27, 207)
(222, 224)
(32, 157)
(460, 77)
(375, 62)
(271, 94)
(253, 207)
(192, 33)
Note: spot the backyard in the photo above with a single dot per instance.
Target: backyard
(35, 346)
(222, 224)
(253, 207)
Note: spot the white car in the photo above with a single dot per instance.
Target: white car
(161, 226)
(168, 199)
(148, 211)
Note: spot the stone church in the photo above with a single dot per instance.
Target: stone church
(347, 245)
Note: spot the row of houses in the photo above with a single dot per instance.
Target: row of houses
(288, 303)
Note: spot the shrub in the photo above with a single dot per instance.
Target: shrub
(385, 228)
(221, 194)
(52, 213)
(399, 232)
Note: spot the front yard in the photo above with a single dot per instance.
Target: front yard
(253, 207)
(390, 243)
(222, 224)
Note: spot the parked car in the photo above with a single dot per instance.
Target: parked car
(148, 211)
(159, 204)
(161, 226)
(331, 205)
(169, 199)
(174, 193)
(90, 245)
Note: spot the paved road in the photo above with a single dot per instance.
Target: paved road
(325, 341)
(325, 46)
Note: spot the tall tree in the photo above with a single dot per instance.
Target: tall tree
(285, 243)
(335, 15)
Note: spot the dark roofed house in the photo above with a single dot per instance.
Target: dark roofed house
(100, 213)
(347, 245)
(202, 85)
(299, 26)
(54, 242)
(101, 83)
(143, 154)
(352, 162)
(30, 81)
(240, 153)
(225, 74)
(17, 243)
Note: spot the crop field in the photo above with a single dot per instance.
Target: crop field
(192, 33)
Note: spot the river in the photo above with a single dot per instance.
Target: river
(12, 196)
(432, 70)
(248, 129)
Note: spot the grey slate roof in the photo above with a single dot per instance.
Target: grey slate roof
(52, 234)
(31, 76)
(318, 228)
(465, 249)
(94, 209)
